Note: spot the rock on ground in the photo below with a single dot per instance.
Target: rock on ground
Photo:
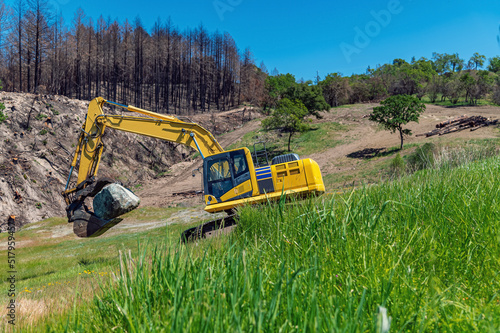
(114, 200)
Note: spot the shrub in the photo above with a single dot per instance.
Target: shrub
(495, 96)
(43, 132)
(3, 116)
(397, 166)
(422, 158)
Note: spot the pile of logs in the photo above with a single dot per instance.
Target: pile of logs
(459, 124)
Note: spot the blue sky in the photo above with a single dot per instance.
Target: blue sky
(302, 37)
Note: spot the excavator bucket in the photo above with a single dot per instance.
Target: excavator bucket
(85, 222)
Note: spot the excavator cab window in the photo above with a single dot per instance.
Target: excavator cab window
(225, 171)
(241, 170)
(219, 177)
(219, 170)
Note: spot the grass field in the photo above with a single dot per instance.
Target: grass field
(426, 248)
(55, 270)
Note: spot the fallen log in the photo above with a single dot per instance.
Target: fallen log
(450, 121)
(478, 127)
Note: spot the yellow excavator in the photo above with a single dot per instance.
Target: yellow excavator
(230, 178)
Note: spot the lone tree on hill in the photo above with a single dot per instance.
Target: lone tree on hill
(397, 111)
(287, 117)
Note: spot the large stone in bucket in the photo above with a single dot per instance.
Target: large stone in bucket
(114, 200)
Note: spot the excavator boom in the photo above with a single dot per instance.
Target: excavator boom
(159, 126)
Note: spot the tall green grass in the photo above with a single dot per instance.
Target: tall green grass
(430, 156)
(426, 247)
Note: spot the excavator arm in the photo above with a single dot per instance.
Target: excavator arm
(90, 147)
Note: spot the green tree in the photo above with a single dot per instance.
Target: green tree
(494, 65)
(453, 88)
(277, 86)
(435, 87)
(412, 79)
(477, 60)
(397, 111)
(310, 95)
(359, 88)
(287, 117)
(484, 82)
(284, 86)
(476, 85)
(447, 62)
(468, 84)
(441, 62)
(335, 89)
(425, 66)
(456, 63)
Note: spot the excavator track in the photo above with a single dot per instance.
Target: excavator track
(210, 229)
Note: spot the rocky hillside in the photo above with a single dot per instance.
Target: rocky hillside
(37, 143)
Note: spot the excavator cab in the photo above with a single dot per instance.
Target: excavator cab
(225, 173)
